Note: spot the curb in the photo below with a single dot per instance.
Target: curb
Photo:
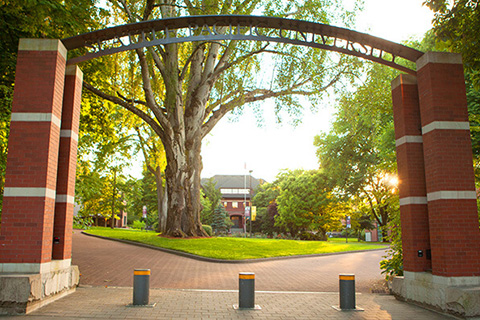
(213, 260)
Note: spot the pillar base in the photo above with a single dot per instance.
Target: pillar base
(455, 295)
(21, 293)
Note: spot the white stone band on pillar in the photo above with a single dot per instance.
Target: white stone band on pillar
(69, 134)
(451, 195)
(28, 192)
(413, 200)
(408, 139)
(36, 117)
(65, 198)
(446, 125)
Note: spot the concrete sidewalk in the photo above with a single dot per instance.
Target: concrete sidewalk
(111, 303)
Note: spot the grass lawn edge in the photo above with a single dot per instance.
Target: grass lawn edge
(208, 259)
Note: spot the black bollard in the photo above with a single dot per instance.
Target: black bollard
(141, 287)
(347, 291)
(246, 292)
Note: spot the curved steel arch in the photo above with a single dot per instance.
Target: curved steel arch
(240, 27)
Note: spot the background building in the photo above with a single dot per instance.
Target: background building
(237, 192)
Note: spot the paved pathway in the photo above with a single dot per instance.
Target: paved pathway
(111, 303)
(281, 287)
(111, 263)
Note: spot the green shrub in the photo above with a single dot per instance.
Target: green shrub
(208, 229)
(310, 236)
(393, 264)
(80, 222)
(137, 224)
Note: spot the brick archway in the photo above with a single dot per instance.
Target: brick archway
(441, 238)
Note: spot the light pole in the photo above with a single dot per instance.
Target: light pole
(250, 194)
(346, 229)
(245, 202)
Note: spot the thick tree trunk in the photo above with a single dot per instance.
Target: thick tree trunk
(183, 190)
(191, 220)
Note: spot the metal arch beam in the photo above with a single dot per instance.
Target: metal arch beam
(240, 27)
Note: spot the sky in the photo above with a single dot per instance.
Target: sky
(268, 149)
(234, 148)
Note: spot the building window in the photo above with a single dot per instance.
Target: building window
(234, 191)
(234, 204)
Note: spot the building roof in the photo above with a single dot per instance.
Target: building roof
(234, 182)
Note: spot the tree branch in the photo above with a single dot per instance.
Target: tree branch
(142, 146)
(158, 63)
(248, 97)
(130, 15)
(189, 60)
(145, 117)
(256, 95)
(132, 101)
(147, 88)
(221, 68)
(169, 5)
(215, 104)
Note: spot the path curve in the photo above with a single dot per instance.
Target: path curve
(110, 263)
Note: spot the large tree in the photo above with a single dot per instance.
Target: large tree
(359, 152)
(457, 26)
(306, 203)
(188, 88)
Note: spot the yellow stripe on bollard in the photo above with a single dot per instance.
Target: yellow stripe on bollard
(347, 277)
(141, 272)
(246, 276)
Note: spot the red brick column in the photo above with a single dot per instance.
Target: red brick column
(452, 206)
(67, 162)
(31, 173)
(411, 174)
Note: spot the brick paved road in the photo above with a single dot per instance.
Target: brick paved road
(106, 264)
(111, 303)
(110, 263)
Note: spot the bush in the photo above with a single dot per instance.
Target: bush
(208, 229)
(393, 264)
(80, 222)
(310, 236)
(137, 224)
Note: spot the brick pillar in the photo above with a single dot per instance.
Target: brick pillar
(67, 162)
(31, 173)
(411, 174)
(452, 206)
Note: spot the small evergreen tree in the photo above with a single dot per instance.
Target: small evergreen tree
(210, 198)
(220, 219)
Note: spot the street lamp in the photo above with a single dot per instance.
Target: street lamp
(250, 194)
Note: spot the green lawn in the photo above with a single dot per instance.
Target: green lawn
(235, 248)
